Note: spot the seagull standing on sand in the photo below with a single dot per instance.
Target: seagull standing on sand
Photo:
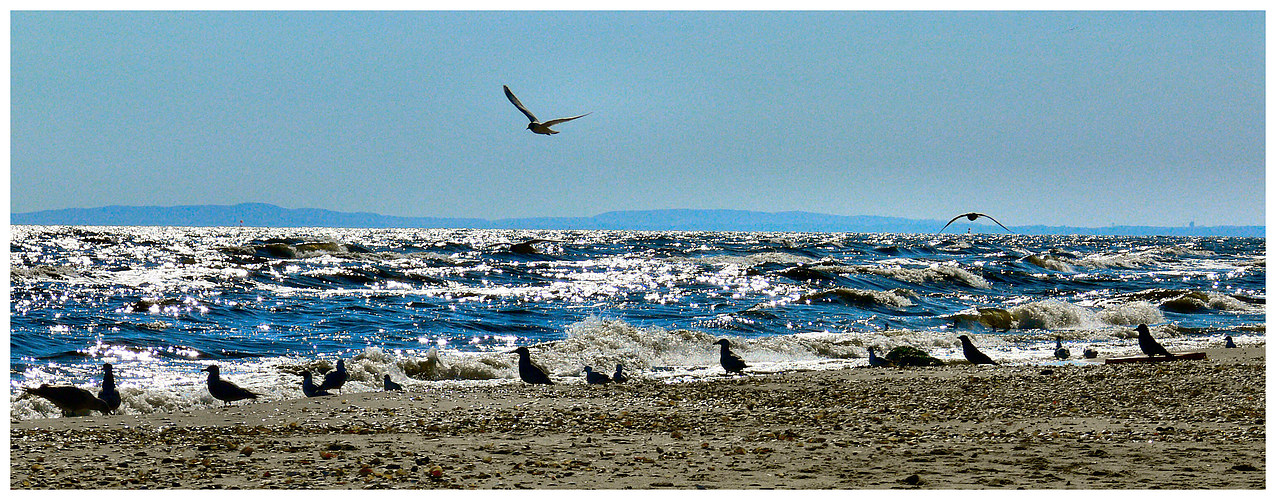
(391, 385)
(530, 373)
(972, 216)
(619, 377)
(336, 378)
(308, 386)
(972, 353)
(1227, 342)
(71, 400)
(1090, 353)
(594, 377)
(730, 362)
(536, 125)
(875, 361)
(1059, 351)
(109, 394)
(225, 390)
(1149, 345)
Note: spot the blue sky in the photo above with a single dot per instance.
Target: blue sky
(1057, 118)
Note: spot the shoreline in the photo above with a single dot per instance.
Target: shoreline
(1175, 425)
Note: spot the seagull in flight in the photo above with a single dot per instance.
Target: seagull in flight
(972, 216)
(536, 125)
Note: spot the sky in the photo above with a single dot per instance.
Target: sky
(1057, 118)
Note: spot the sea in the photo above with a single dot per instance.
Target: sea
(439, 307)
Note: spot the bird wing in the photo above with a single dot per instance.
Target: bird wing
(1003, 226)
(559, 120)
(519, 105)
(950, 222)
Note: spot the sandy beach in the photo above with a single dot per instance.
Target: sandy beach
(1173, 425)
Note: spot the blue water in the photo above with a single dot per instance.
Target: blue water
(445, 306)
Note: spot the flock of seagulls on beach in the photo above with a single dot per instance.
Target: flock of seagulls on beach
(76, 401)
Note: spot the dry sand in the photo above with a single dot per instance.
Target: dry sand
(1182, 424)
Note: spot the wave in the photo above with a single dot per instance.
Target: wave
(1056, 314)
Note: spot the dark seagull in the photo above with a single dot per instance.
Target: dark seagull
(336, 378)
(527, 371)
(730, 362)
(1228, 343)
(594, 377)
(619, 377)
(225, 390)
(308, 386)
(109, 394)
(71, 400)
(1148, 344)
(391, 385)
(972, 216)
(875, 361)
(1059, 351)
(972, 354)
(536, 125)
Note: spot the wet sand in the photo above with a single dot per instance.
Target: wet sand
(1182, 424)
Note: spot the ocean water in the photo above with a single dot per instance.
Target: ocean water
(437, 307)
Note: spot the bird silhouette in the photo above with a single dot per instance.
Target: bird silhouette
(308, 386)
(1059, 351)
(1227, 342)
(336, 378)
(619, 377)
(71, 400)
(972, 216)
(1149, 345)
(391, 385)
(1090, 353)
(594, 377)
(528, 372)
(730, 362)
(108, 393)
(536, 125)
(972, 353)
(224, 390)
(874, 360)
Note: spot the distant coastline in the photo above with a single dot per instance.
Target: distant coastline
(266, 215)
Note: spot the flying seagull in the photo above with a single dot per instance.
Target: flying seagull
(536, 125)
(972, 216)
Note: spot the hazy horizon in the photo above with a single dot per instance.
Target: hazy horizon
(1084, 119)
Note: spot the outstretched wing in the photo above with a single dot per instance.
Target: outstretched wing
(560, 120)
(519, 105)
(950, 222)
(1003, 226)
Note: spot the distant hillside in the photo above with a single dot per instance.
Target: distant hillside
(265, 215)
